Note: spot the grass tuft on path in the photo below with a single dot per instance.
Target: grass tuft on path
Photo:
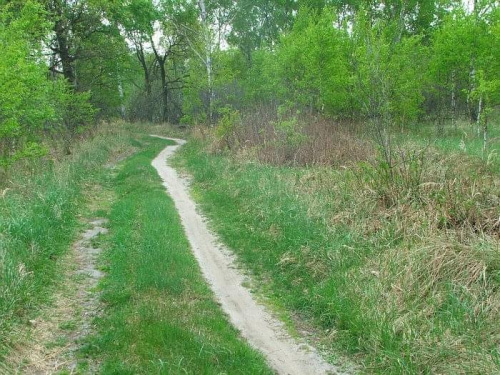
(160, 317)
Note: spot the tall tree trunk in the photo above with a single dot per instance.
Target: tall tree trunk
(472, 87)
(479, 110)
(208, 57)
(64, 52)
(485, 135)
(161, 60)
(147, 78)
(121, 94)
(453, 99)
(164, 90)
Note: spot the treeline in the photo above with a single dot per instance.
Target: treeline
(66, 64)
(385, 63)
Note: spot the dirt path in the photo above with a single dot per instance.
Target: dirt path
(51, 344)
(258, 326)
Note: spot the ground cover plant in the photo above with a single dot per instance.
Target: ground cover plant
(398, 263)
(160, 316)
(39, 206)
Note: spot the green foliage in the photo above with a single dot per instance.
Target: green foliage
(313, 63)
(389, 76)
(288, 126)
(261, 80)
(160, 314)
(39, 210)
(229, 120)
(30, 103)
(459, 49)
(106, 73)
(25, 93)
(75, 110)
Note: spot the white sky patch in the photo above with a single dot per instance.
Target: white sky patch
(468, 5)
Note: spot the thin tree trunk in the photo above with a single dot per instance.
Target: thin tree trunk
(147, 79)
(164, 91)
(208, 57)
(161, 60)
(479, 110)
(122, 104)
(485, 136)
(472, 88)
(64, 52)
(453, 100)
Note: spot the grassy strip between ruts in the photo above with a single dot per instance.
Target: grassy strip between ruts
(401, 283)
(159, 316)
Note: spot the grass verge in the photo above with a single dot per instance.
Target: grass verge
(39, 204)
(160, 316)
(401, 267)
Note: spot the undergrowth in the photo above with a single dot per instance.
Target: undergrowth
(399, 263)
(285, 137)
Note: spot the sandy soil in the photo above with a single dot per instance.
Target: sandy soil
(51, 344)
(256, 324)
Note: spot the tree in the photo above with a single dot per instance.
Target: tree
(25, 93)
(256, 24)
(87, 52)
(388, 76)
(73, 24)
(314, 64)
(136, 20)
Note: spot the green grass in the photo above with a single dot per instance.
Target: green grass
(464, 138)
(38, 222)
(160, 317)
(395, 275)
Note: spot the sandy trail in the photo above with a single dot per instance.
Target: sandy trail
(256, 324)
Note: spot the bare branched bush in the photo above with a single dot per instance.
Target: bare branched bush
(289, 138)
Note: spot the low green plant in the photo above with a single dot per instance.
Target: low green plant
(160, 316)
(39, 205)
(290, 133)
(227, 126)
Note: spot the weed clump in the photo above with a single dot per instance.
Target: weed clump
(444, 191)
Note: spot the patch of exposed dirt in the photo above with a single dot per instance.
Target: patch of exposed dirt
(51, 344)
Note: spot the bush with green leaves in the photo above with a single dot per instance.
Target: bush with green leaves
(25, 92)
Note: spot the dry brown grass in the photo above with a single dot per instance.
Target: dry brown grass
(418, 282)
(299, 140)
(446, 192)
(433, 283)
(438, 299)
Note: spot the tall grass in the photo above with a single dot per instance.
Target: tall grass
(462, 138)
(400, 265)
(39, 205)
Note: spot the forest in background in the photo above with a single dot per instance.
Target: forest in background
(387, 250)
(67, 64)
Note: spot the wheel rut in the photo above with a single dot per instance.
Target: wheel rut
(257, 325)
(51, 344)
